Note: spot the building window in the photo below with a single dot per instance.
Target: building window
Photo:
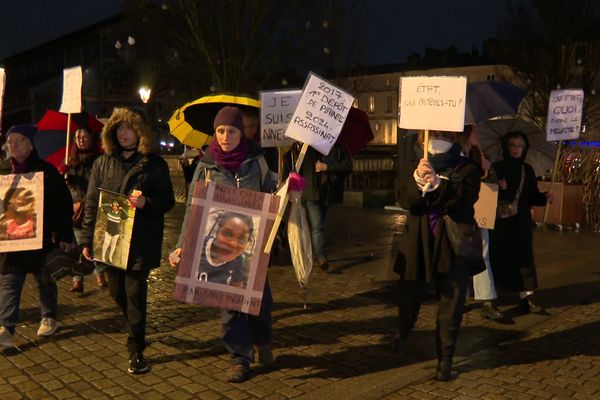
(371, 104)
(491, 77)
(388, 105)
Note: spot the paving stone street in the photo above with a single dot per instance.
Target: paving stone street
(339, 347)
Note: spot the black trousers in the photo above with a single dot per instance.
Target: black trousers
(129, 289)
(451, 290)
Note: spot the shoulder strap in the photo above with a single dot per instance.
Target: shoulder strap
(264, 169)
(521, 183)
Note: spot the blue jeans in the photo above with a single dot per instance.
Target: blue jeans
(11, 287)
(483, 282)
(316, 214)
(242, 331)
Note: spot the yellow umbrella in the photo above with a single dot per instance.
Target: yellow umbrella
(192, 124)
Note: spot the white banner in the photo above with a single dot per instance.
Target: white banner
(276, 110)
(564, 114)
(2, 84)
(320, 114)
(433, 103)
(72, 83)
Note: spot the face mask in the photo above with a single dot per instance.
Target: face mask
(437, 146)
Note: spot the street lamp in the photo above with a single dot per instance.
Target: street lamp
(145, 94)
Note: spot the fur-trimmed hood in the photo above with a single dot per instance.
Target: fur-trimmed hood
(147, 139)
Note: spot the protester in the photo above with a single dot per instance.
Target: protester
(78, 169)
(484, 290)
(131, 166)
(233, 160)
(440, 192)
(226, 250)
(57, 232)
(325, 178)
(511, 241)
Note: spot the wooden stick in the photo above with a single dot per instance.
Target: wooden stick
(426, 144)
(68, 139)
(284, 194)
(553, 178)
(300, 159)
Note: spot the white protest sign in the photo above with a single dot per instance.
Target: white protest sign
(72, 82)
(276, 110)
(2, 84)
(564, 114)
(320, 114)
(433, 103)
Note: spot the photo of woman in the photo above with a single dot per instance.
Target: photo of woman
(18, 220)
(227, 249)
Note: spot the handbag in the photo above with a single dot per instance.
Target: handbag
(509, 208)
(465, 240)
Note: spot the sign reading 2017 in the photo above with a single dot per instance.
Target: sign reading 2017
(320, 114)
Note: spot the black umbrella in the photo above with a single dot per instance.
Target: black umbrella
(491, 99)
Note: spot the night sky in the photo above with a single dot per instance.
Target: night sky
(392, 29)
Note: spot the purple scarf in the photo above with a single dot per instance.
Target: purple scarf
(232, 160)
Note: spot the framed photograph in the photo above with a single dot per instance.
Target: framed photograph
(112, 232)
(223, 263)
(21, 212)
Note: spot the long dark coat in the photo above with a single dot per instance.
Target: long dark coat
(422, 255)
(58, 214)
(511, 240)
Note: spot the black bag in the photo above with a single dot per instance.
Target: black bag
(510, 208)
(465, 240)
(59, 264)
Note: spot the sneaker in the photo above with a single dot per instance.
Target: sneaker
(237, 373)
(48, 327)
(101, 280)
(264, 355)
(77, 287)
(6, 338)
(137, 364)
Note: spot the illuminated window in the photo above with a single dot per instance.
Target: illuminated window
(371, 104)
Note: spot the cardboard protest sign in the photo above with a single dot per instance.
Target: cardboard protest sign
(320, 114)
(433, 103)
(223, 263)
(485, 207)
(112, 232)
(276, 110)
(21, 212)
(564, 114)
(2, 85)
(72, 82)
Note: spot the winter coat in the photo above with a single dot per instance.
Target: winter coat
(57, 216)
(251, 175)
(325, 187)
(145, 171)
(511, 240)
(421, 254)
(79, 177)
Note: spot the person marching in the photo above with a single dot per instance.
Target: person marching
(233, 160)
(78, 169)
(442, 191)
(511, 241)
(131, 166)
(57, 232)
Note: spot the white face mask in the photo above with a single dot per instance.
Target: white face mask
(437, 146)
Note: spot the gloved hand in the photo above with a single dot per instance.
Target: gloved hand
(297, 182)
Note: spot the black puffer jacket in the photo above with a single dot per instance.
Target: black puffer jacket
(58, 214)
(144, 171)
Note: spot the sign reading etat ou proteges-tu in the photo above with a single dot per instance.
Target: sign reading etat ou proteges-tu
(433, 102)
(276, 110)
(564, 114)
(320, 114)
(72, 83)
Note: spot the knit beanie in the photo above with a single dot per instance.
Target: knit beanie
(230, 116)
(26, 130)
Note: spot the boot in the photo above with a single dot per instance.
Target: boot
(444, 370)
(77, 287)
(528, 305)
(490, 311)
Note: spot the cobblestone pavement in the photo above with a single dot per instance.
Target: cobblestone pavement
(336, 348)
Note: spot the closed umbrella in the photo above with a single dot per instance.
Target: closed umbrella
(192, 124)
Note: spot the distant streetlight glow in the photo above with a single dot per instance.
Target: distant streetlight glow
(145, 94)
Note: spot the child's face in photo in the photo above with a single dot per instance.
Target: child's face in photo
(231, 238)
